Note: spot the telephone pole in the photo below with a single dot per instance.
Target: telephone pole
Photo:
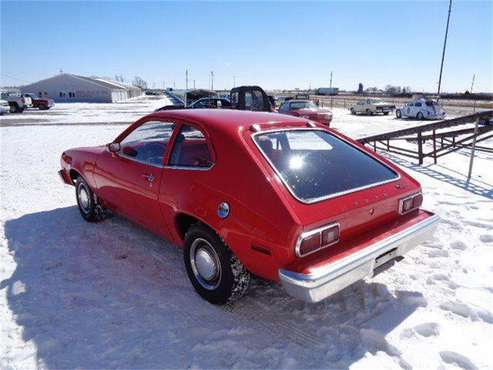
(212, 80)
(444, 47)
(186, 86)
(331, 96)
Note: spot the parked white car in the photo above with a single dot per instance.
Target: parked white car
(421, 109)
(372, 106)
(4, 107)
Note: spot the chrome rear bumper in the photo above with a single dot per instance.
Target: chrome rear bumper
(330, 279)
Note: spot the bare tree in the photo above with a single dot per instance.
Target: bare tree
(139, 82)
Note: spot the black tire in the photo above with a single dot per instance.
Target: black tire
(42, 107)
(85, 201)
(369, 112)
(385, 113)
(420, 116)
(227, 278)
(398, 113)
(14, 108)
(353, 112)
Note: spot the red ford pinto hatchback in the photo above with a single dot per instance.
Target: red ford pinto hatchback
(245, 193)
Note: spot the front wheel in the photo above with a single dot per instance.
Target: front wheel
(385, 113)
(85, 201)
(353, 112)
(215, 272)
(398, 113)
(369, 112)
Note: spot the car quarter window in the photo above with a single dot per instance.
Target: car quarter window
(191, 149)
(148, 142)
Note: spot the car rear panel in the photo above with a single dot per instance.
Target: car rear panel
(357, 243)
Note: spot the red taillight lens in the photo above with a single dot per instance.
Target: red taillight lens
(410, 203)
(309, 244)
(314, 240)
(417, 201)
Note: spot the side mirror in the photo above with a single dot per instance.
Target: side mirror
(114, 147)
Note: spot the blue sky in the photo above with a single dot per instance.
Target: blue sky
(273, 44)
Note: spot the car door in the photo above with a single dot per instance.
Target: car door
(128, 180)
(187, 176)
(409, 110)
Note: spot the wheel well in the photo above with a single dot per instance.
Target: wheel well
(184, 221)
(74, 175)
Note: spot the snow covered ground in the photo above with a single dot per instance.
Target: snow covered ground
(112, 295)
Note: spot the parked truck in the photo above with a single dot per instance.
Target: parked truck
(17, 103)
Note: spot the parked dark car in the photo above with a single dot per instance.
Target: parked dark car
(211, 103)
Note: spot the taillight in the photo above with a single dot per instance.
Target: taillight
(314, 240)
(410, 203)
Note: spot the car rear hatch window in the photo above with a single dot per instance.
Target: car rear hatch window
(316, 165)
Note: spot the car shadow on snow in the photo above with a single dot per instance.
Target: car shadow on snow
(111, 295)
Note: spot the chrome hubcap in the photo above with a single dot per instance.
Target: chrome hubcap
(84, 199)
(205, 264)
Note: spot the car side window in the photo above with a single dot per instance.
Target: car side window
(148, 142)
(417, 105)
(191, 149)
(284, 108)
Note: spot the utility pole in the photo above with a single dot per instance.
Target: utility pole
(194, 84)
(212, 80)
(443, 52)
(472, 86)
(331, 97)
(186, 86)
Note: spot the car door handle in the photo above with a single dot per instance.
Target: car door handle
(148, 177)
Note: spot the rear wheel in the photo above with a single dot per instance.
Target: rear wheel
(42, 107)
(369, 112)
(353, 111)
(215, 272)
(85, 200)
(385, 113)
(398, 113)
(420, 116)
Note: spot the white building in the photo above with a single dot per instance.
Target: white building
(66, 87)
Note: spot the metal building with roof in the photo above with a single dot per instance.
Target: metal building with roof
(67, 87)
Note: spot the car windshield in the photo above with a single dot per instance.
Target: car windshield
(302, 105)
(315, 164)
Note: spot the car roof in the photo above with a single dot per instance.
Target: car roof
(299, 101)
(231, 119)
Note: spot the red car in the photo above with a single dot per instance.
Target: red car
(256, 193)
(306, 109)
(41, 103)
